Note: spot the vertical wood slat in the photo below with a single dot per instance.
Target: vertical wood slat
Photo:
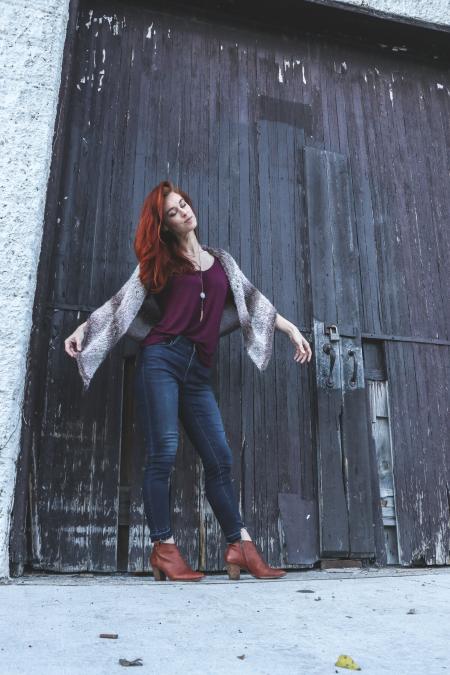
(343, 446)
(279, 177)
(334, 537)
(419, 414)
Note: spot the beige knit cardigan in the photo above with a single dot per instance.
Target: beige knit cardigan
(133, 311)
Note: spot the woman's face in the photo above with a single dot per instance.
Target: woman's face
(178, 215)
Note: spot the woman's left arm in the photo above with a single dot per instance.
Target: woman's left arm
(302, 347)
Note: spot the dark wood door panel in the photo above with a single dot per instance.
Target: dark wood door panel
(75, 456)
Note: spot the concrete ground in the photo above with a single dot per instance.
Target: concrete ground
(390, 620)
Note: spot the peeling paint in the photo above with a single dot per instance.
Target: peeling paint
(280, 75)
(89, 23)
(149, 32)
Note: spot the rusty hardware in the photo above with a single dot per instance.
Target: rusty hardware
(353, 379)
(332, 332)
(329, 349)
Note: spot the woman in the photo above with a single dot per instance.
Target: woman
(192, 288)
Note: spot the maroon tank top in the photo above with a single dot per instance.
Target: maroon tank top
(180, 304)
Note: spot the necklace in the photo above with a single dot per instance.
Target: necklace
(202, 293)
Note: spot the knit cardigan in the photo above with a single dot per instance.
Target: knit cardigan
(133, 311)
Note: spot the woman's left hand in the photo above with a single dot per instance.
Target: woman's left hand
(302, 347)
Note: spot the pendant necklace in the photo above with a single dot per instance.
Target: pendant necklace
(202, 293)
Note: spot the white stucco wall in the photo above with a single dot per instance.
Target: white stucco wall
(430, 11)
(32, 34)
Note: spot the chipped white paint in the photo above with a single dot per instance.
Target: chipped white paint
(149, 32)
(109, 19)
(391, 93)
(280, 74)
(89, 23)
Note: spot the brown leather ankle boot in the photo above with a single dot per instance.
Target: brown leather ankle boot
(166, 560)
(244, 555)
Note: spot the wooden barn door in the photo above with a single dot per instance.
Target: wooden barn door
(306, 212)
(284, 211)
(343, 455)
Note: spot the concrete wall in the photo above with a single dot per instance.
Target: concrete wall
(32, 34)
(430, 11)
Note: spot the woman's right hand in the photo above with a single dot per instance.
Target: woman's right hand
(72, 344)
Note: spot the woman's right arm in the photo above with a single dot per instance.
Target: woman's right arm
(73, 343)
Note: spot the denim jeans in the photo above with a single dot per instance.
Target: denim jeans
(171, 383)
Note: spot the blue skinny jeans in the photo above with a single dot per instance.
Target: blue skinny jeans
(171, 383)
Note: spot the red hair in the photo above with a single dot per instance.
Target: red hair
(158, 251)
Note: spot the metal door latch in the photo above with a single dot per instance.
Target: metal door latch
(333, 332)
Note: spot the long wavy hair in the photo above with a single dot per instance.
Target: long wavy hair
(158, 251)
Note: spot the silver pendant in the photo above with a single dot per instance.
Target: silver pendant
(202, 295)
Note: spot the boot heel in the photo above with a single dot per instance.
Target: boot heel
(158, 574)
(234, 571)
